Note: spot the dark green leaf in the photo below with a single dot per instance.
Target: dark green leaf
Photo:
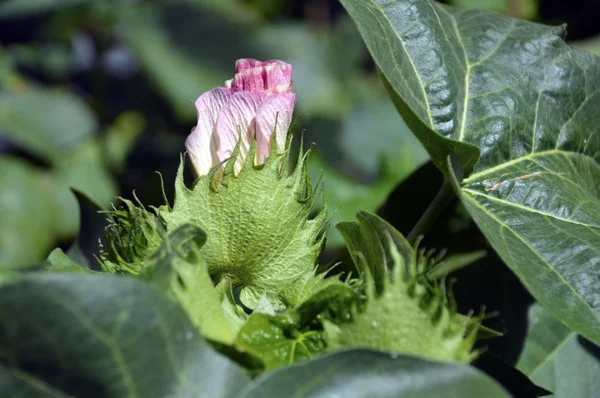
(24, 385)
(25, 7)
(280, 340)
(555, 358)
(471, 81)
(91, 335)
(275, 340)
(364, 373)
(45, 122)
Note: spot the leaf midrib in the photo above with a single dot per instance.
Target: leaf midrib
(529, 156)
(37, 383)
(529, 209)
(552, 353)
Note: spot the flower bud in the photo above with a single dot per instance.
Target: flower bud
(256, 103)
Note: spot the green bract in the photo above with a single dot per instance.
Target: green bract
(261, 237)
(403, 311)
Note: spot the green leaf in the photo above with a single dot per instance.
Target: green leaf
(10, 8)
(471, 81)
(23, 385)
(526, 9)
(277, 342)
(542, 215)
(45, 122)
(84, 334)
(27, 214)
(82, 169)
(555, 358)
(363, 373)
(282, 339)
(58, 261)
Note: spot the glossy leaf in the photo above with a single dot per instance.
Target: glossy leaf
(556, 359)
(472, 82)
(364, 373)
(80, 335)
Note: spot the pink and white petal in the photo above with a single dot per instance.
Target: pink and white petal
(198, 147)
(228, 83)
(277, 75)
(200, 143)
(208, 106)
(272, 78)
(246, 63)
(251, 79)
(236, 122)
(277, 107)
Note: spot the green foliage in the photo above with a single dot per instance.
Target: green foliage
(277, 341)
(297, 334)
(364, 373)
(25, 7)
(260, 236)
(62, 120)
(58, 261)
(524, 103)
(503, 107)
(38, 205)
(555, 358)
(75, 335)
(403, 311)
(27, 208)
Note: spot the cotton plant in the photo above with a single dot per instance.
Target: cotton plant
(239, 249)
(221, 293)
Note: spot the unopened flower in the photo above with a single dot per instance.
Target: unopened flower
(255, 104)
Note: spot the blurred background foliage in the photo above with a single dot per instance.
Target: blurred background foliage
(96, 96)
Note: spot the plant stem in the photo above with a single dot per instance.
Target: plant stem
(440, 201)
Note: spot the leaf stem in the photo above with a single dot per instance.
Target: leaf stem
(435, 208)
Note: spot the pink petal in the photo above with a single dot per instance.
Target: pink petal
(200, 144)
(278, 107)
(236, 122)
(273, 77)
(246, 63)
(198, 148)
